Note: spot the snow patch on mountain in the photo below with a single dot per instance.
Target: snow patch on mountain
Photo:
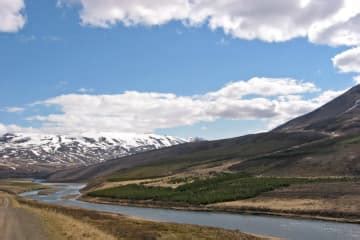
(65, 150)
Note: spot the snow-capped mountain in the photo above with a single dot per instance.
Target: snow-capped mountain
(19, 150)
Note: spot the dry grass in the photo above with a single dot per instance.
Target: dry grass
(62, 227)
(18, 186)
(276, 204)
(334, 199)
(59, 226)
(56, 225)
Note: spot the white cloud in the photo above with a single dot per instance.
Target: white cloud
(14, 109)
(14, 128)
(344, 33)
(341, 28)
(264, 87)
(289, 107)
(271, 99)
(327, 96)
(85, 90)
(271, 20)
(357, 79)
(3, 129)
(106, 13)
(11, 15)
(348, 61)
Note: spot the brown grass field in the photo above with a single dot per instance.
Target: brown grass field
(337, 200)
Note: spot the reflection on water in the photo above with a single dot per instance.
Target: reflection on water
(264, 225)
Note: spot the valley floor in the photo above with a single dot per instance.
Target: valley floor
(22, 219)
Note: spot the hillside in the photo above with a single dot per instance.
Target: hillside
(333, 156)
(336, 155)
(340, 116)
(178, 158)
(322, 143)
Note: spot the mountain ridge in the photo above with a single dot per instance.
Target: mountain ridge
(339, 116)
(30, 150)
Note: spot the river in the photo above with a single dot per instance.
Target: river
(287, 228)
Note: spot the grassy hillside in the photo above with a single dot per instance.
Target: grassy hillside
(336, 156)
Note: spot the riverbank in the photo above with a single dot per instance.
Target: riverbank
(333, 200)
(123, 227)
(245, 210)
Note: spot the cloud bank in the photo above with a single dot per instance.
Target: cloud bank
(274, 100)
(322, 21)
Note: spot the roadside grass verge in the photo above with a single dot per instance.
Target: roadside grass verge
(13, 186)
(224, 187)
(62, 227)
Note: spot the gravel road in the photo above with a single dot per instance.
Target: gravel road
(17, 223)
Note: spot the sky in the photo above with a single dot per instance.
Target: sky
(211, 69)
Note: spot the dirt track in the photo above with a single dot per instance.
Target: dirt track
(17, 223)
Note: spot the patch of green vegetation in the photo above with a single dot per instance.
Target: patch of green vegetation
(225, 187)
(182, 180)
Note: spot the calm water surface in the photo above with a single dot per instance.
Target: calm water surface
(265, 225)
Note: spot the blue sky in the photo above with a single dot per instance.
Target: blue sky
(58, 53)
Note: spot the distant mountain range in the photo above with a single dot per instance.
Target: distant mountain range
(23, 151)
(325, 142)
